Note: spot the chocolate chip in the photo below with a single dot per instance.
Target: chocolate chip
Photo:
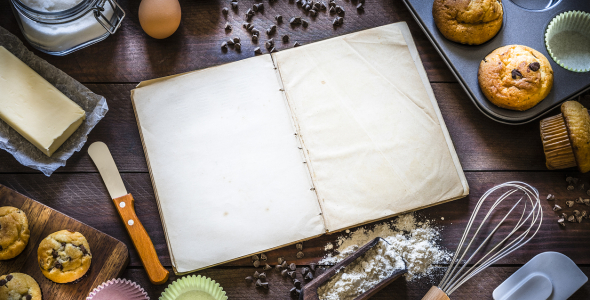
(256, 263)
(230, 42)
(340, 10)
(58, 265)
(534, 66)
(300, 254)
(312, 267)
(294, 292)
(285, 38)
(260, 6)
(304, 23)
(249, 279)
(297, 283)
(246, 25)
(284, 272)
(295, 20)
(296, 44)
(63, 245)
(299, 2)
(269, 44)
(238, 47)
(227, 26)
(279, 18)
(516, 73)
(8, 278)
(257, 51)
(266, 267)
(360, 7)
(307, 7)
(299, 246)
(28, 297)
(234, 4)
(255, 40)
(309, 276)
(3, 282)
(264, 285)
(255, 7)
(332, 10)
(292, 266)
(317, 6)
(236, 39)
(258, 283)
(262, 276)
(313, 13)
(256, 274)
(1, 248)
(255, 31)
(292, 274)
(284, 264)
(54, 254)
(225, 10)
(304, 270)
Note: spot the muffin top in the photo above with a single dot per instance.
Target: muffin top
(471, 22)
(577, 122)
(64, 256)
(14, 232)
(515, 77)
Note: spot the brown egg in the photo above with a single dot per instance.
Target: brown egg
(159, 18)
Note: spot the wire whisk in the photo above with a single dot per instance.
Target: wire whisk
(462, 266)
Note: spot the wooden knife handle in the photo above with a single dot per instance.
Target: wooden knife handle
(141, 240)
(435, 294)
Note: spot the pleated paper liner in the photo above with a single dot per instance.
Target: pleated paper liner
(568, 40)
(118, 289)
(194, 287)
(556, 143)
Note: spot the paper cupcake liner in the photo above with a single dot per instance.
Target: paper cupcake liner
(568, 40)
(118, 289)
(191, 287)
(556, 143)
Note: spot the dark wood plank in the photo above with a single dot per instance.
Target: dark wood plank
(232, 281)
(131, 56)
(84, 197)
(109, 256)
(481, 143)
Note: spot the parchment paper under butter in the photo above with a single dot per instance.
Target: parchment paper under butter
(94, 105)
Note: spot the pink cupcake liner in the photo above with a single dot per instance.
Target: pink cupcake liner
(118, 289)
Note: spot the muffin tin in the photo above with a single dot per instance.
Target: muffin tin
(525, 22)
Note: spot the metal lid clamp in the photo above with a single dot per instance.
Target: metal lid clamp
(118, 15)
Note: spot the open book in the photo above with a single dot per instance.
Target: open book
(275, 149)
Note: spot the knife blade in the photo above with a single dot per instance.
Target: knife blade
(125, 205)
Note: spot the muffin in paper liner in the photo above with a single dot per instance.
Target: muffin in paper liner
(568, 40)
(118, 289)
(566, 138)
(194, 287)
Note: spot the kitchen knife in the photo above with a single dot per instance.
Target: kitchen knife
(125, 204)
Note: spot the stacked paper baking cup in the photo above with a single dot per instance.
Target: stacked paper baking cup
(568, 40)
(118, 289)
(194, 287)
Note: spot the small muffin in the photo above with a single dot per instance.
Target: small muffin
(515, 77)
(64, 256)
(19, 286)
(14, 232)
(566, 138)
(470, 22)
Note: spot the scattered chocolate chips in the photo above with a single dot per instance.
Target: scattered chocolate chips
(284, 272)
(297, 283)
(237, 40)
(230, 42)
(295, 292)
(246, 25)
(271, 30)
(225, 10)
(249, 279)
(256, 263)
(256, 274)
(292, 274)
(316, 6)
(304, 23)
(360, 6)
(224, 46)
(285, 38)
(332, 3)
(309, 276)
(313, 13)
(258, 283)
(278, 267)
(262, 276)
(255, 31)
(516, 73)
(238, 47)
(338, 21)
(300, 254)
(332, 10)
(296, 44)
(269, 44)
(312, 267)
(266, 267)
(534, 66)
(227, 26)
(255, 40)
(292, 266)
(264, 285)
(323, 6)
(2, 282)
(279, 18)
(234, 4)
(260, 6)
(339, 10)
(295, 21)
(304, 270)
(284, 264)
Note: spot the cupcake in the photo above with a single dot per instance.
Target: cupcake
(568, 40)
(194, 287)
(515, 77)
(19, 286)
(470, 22)
(566, 138)
(14, 232)
(118, 289)
(64, 256)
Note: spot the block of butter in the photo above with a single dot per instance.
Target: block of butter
(34, 107)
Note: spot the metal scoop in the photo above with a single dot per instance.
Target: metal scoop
(310, 291)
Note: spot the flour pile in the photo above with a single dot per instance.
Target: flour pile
(414, 241)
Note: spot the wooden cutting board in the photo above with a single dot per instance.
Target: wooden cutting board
(109, 256)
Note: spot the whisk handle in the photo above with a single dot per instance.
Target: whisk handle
(435, 294)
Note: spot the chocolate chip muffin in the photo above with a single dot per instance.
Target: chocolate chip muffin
(471, 22)
(515, 77)
(19, 286)
(64, 256)
(14, 232)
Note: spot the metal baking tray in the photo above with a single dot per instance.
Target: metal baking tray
(525, 22)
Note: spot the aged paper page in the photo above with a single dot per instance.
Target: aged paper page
(374, 139)
(228, 174)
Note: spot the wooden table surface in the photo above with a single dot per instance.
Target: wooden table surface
(490, 152)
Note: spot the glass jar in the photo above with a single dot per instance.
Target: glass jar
(65, 31)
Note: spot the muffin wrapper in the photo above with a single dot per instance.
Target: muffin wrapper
(556, 143)
(193, 283)
(118, 289)
(570, 22)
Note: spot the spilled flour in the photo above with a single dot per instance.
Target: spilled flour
(414, 241)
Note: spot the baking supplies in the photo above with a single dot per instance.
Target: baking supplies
(194, 288)
(118, 289)
(548, 276)
(520, 220)
(60, 27)
(568, 40)
(323, 288)
(159, 18)
(35, 108)
(94, 105)
(124, 202)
